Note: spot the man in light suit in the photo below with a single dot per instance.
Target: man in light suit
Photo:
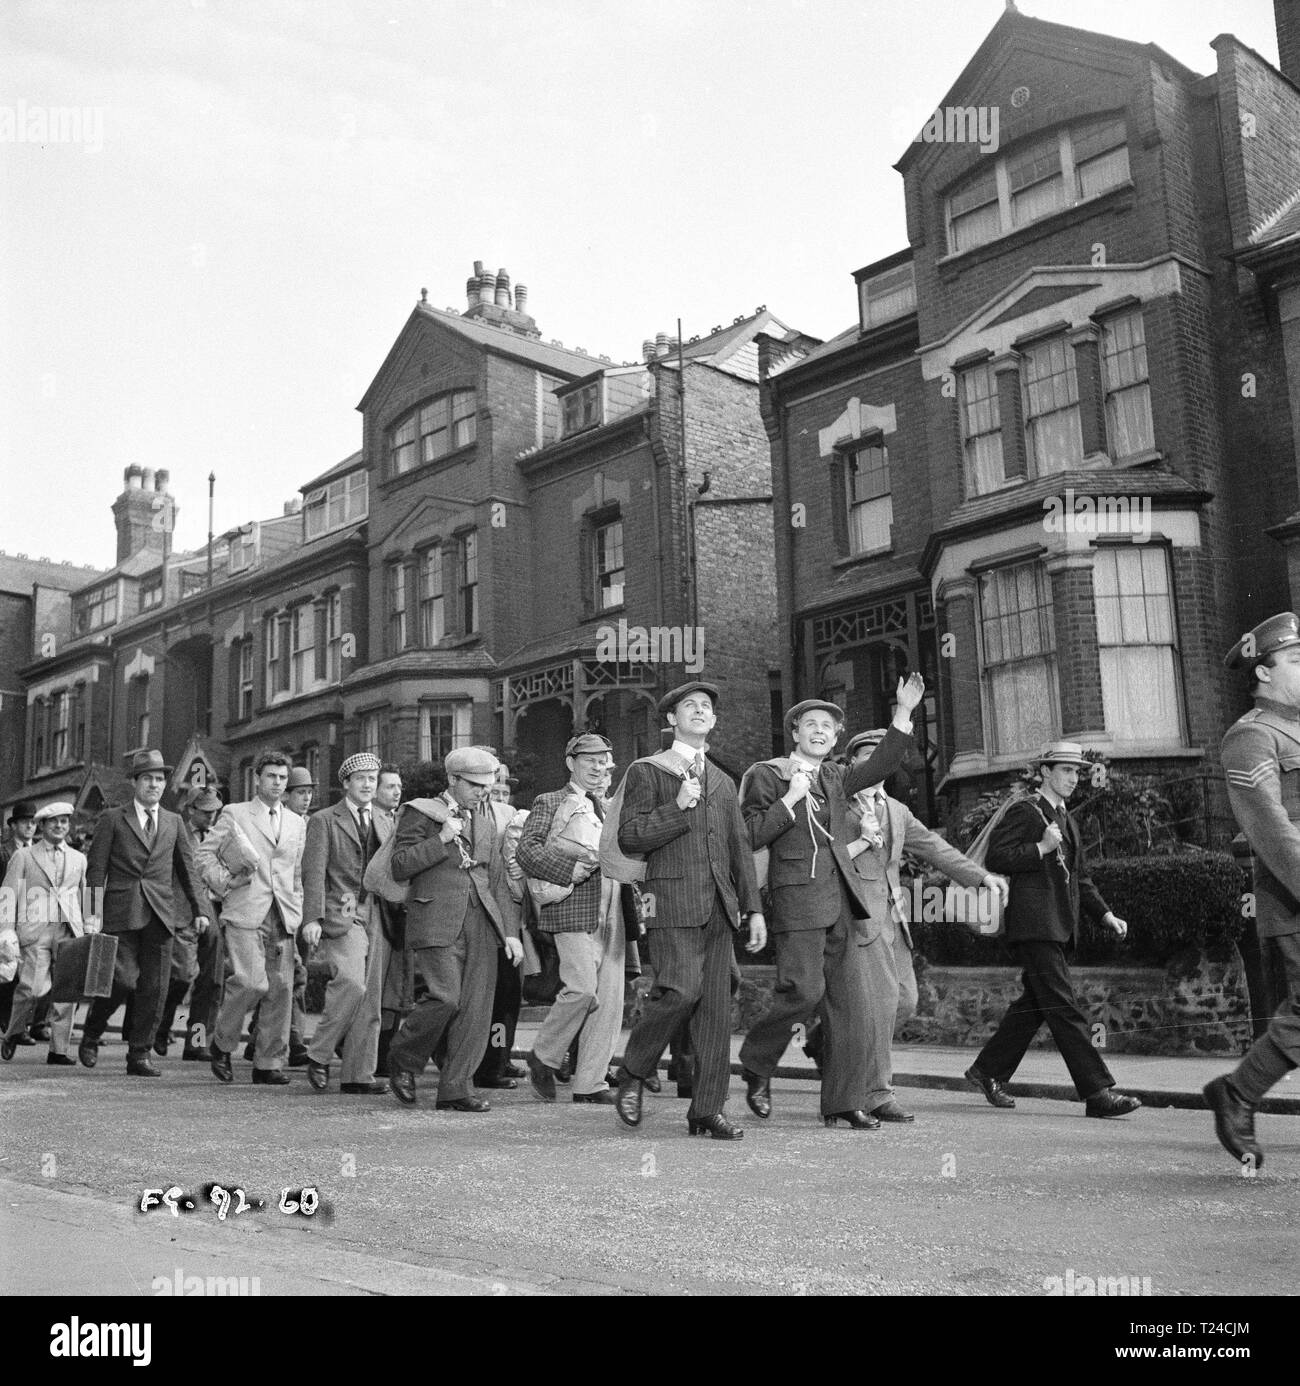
(682, 814)
(340, 917)
(797, 808)
(586, 926)
(139, 854)
(459, 913)
(42, 886)
(881, 828)
(1040, 847)
(252, 860)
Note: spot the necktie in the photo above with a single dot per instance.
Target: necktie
(364, 815)
(58, 867)
(149, 824)
(699, 766)
(275, 824)
(597, 805)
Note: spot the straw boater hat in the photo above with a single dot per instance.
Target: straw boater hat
(1063, 753)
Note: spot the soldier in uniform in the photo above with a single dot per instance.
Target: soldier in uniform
(1261, 760)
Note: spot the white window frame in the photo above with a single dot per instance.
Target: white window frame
(1121, 381)
(433, 598)
(1040, 422)
(461, 714)
(583, 408)
(888, 295)
(604, 576)
(868, 519)
(1014, 643)
(344, 501)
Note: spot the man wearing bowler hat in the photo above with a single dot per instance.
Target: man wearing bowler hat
(1261, 760)
(300, 792)
(458, 915)
(683, 815)
(1039, 846)
(795, 807)
(139, 854)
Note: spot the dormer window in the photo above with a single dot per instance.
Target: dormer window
(1035, 179)
(344, 501)
(151, 592)
(582, 408)
(243, 549)
(888, 295)
(434, 430)
(94, 610)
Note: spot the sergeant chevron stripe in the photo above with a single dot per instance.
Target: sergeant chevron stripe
(1253, 778)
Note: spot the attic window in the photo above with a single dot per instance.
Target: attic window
(243, 549)
(887, 296)
(582, 408)
(342, 502)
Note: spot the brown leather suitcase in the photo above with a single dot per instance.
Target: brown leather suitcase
(83, 968)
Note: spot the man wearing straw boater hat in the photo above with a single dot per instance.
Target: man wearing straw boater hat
(1040, 847)
(1260, 756)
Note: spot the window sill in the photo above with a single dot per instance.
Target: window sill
(1123, 195)
(853, 559)
(456, 642)
(619, 610)
(461, 454)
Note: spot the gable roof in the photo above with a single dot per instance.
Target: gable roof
(349, 464)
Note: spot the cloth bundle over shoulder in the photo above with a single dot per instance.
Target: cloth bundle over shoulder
(378, 878)
(83, 968)
(574, 833)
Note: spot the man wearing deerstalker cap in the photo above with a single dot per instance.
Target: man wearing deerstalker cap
(458, 914)
(1261, 761)
(1040, 847)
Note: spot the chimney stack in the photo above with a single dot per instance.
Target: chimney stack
(1286, 17)
(136, 511)
(489, 300)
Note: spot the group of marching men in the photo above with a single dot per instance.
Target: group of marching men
(417, 910)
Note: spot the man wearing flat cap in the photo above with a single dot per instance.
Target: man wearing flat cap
(1261, 761)
(139, 854)
(559, 845)
(1039, 846)
(795, 808)
(42, 887)
(459, 913)
(682, 814)
(339, 916)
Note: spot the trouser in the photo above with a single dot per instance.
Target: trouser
(1278, 1050)
(590, 1001)
(456, 1005)
(812, 964)
(507, 994)
(692, 982)
(205, 999)
(35, 973)
(261, 974)
(140, 977)
(297, 1006)
(351, 1011)
(1048, 996)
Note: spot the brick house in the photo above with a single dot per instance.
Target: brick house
(1042, 464)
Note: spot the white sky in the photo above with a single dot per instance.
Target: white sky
(214, 288)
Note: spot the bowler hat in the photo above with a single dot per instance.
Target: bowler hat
(24, 808)
(1277, 633)
(669, 701)
(300, 778)
(1063, 753)
(811, 705)
(865, 738)
(473, 763)
(588, 744)
(147, 763)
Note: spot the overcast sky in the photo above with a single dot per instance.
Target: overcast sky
(210, 279)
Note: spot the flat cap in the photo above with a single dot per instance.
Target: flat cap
(300, 778)
(362, 760)
(670, 700)
(472, 763)
(60, 809)
(811, 705)
(865, 738)
(588, 744)
(1277, 633)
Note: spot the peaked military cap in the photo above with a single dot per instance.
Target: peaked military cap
(1277, 633)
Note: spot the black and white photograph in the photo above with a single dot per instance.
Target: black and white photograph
(679, 625)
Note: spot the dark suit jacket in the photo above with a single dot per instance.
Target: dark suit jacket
(139, 877)
(333, 864)
(806, 867)
(692, 855)
(1043, 904)
(440, 886)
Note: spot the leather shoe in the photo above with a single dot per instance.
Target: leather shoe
(220, 1062)
(366, 1089)
(88, 1053)
(40, 1033)
(272, 1077)
(138, 1065)
(64, 1059)
(298, 1058)
(542, 1077)
(604, 1097)
(990, 1087)
(21, 1041)
(891, 1111)
(8, 1048)
(507, 1083)
(1234, 1121)
(717, 1126)
(401, 1083)
(627, 1100)
(318, 1075)
(197, 1056)
(1111, 1104)
(464, 1104)
(758, 1093)
(858, 1120)
(514, 1071)
(160, 1044)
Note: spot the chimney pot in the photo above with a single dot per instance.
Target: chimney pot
(648, 349)
(471, 290)
(160, 479)
(503, 289)
(131, 477)
(521, 298)
(146, 479)
(478, 269)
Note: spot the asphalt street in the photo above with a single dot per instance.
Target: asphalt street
(534, 1198)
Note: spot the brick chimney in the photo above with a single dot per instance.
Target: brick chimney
(144, 512)
(488, 299)
(1286, 15)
